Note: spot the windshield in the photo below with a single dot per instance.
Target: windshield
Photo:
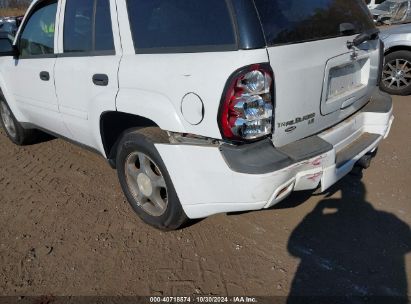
(387, 6)
(294, 21)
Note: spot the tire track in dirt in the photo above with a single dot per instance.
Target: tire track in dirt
(66, 229)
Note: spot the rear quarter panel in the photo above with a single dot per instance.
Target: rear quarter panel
(153, 86)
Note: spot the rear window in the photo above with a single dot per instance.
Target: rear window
(294, 21)
(180, 25)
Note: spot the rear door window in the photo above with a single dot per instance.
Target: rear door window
(180, 25)
(87, 26)
(78, 25)
(103, 39)
(294, 21)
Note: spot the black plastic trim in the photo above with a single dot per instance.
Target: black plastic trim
(306, 148)
(188, 49)
(249, 28)
(100, 80)
(86, 54)
(262, 157)
(256, 158)
(356, 147)
(380, 102)
(71, 54)
(381, 62)
(45, 56)
(45, 76)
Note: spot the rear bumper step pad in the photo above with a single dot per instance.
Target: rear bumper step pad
(349, 152)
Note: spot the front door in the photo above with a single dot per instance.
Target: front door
(31, 76)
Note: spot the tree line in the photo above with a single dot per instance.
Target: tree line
(21, 4)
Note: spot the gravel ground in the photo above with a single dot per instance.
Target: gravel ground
(66, 229)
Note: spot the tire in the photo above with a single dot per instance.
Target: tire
(14, 130)
(145, 180)
(396, 74)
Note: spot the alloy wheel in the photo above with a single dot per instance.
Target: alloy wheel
(146, 183)
(7, 119)
(397, 74)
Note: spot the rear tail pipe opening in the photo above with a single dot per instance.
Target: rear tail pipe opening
(365, 161)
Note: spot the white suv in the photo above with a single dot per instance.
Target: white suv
(202, 106)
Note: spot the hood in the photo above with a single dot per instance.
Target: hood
(399, 29)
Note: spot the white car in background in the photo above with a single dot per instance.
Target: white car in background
(396, 78)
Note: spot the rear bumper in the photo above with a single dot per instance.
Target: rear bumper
(212, 179)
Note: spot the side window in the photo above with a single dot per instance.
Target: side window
(37, 38)
(103, 30)
(180, 25)
(87, 26)
(78, 26)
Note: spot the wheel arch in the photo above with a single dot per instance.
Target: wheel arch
(398, 51)
(396, 48)
(113, 124)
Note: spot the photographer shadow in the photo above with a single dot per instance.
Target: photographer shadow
(350, 250)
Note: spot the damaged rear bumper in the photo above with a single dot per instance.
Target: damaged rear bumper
(216, 179)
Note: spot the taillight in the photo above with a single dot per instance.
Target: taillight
(246, 111)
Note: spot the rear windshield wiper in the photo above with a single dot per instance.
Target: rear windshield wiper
(365, 36)
(348, 29)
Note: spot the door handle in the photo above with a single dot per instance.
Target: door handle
(45, 76)
(100, 80)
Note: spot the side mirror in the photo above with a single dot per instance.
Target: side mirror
(6, 46)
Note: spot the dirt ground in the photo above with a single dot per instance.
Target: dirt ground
(66, 229)
(8, 12)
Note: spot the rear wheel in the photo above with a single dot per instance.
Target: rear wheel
(15, 132)
(396, 74)
(145, 179)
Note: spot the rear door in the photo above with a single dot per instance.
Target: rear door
(319, 80)
(86, 67)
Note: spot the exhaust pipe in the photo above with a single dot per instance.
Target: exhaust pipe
(365, 161)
